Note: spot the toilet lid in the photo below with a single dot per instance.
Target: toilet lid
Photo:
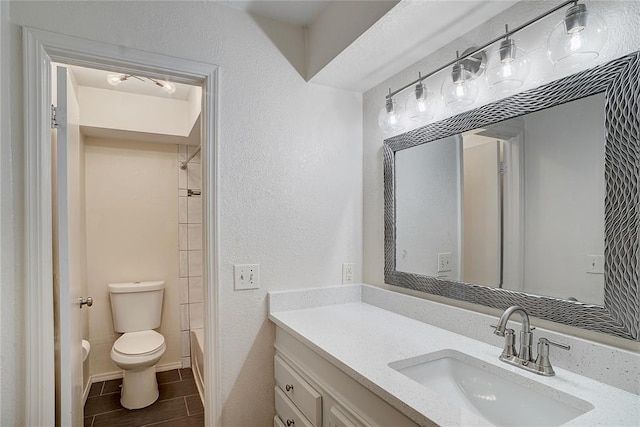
(141, 342)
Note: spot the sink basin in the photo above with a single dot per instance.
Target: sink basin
(498, 395)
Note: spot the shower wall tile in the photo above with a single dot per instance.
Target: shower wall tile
(194, 233)
(195, 290)
(186, 362)
(183, 237)
(194, 210)
(190, 250)
(184, 317)
(186, 351)
(183, 209)
(184, 290)
(193, 177)
(196, 315)
(182, 177)
(184, 264)
(192, 149)
(195, 263)
(182, 153)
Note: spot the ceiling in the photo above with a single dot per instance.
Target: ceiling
(300, 13)
(91, 77)
(410, 31)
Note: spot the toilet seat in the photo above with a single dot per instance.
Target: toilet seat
(139, 343)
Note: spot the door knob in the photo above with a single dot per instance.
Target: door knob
(88, 301)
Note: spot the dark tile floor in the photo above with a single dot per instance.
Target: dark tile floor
(179, 404)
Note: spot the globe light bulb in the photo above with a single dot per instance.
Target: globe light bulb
(390, 116)
(169, 87)
(460, 89)
(116, 79)
(419, 105)
(508, 68)
(578, 39)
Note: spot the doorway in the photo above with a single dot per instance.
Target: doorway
(40, 49)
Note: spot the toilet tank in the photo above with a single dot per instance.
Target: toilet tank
(136, 306)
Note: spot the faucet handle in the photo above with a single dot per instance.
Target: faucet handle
(544, 340)
(542, 361)
(497, 331)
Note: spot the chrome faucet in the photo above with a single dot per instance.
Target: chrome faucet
(524, 358)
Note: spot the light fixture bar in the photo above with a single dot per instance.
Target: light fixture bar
(484, 46)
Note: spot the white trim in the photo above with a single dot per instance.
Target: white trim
(38, 310)
(40, 47)
(114, 375)
(85, 392)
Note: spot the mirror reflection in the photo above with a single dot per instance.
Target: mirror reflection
(517, 205)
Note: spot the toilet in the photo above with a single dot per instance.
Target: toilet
(137, 309)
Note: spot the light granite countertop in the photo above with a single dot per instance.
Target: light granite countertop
(362, 340)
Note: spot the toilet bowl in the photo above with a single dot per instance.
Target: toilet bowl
(137, 354)
(136, 309)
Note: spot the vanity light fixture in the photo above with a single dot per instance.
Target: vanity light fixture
(420, 102)
(116, 79)
(509, 68)
(578, 38)
(391, 115)
(461, 90)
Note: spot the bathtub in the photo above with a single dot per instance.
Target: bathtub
(197, 359)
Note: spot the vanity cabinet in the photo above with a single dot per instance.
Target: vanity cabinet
(310, 391)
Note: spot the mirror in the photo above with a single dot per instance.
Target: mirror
(516, 205)
(531, 200)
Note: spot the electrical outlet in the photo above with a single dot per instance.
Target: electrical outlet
(347, 273)
(246, 276)
(444, 262)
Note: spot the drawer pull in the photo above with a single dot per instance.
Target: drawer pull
(288, 387)
(290, 423)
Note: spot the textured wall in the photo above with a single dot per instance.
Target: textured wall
(11, 297)
(290, 167)
(623, 39)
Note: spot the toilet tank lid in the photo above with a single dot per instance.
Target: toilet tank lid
(117, 288)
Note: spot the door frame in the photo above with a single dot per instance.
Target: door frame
(40, 48)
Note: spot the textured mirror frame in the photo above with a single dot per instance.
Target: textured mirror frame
(620, 315)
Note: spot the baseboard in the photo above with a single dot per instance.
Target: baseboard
(118, 374)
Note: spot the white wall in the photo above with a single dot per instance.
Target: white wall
(290, 170)
(623, 39)
(564, 200)
(428, 189)
(12, 370)
(132, 235)
(110, 109)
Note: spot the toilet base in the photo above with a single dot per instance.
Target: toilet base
(139, 388)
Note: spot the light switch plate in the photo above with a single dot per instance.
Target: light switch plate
(246, 276)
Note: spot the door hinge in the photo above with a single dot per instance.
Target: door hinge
(57, 117)
(502, 168)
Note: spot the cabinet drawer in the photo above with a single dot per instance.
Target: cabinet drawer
(299, 391)
(288, 413)
(277, 422)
